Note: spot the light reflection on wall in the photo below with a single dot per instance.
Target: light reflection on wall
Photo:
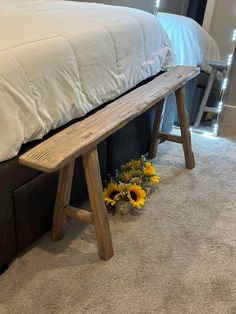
(225, 83)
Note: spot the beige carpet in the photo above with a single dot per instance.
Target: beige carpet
(178, 256)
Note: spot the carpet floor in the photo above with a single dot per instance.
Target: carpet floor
(178, 256)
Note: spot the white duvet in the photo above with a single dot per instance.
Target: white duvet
(59, 60)
(191, 44)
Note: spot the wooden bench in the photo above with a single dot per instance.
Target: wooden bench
(60, 151)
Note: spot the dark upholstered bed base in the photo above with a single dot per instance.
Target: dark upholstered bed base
(27, 196)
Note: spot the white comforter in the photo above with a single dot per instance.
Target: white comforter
(191, 44)
(59, 60)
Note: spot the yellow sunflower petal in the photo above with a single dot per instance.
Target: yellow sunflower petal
(136, 195)
(155, 180)
(136, 164)
(149, 169)
(111, 193)
(125, 176)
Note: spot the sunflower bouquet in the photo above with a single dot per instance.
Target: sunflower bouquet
(131, 184)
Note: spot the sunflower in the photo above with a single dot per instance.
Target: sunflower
(125, 176)
(149, 169)
(134, 164)
(111, 193)
(155, 180)
(136, 196)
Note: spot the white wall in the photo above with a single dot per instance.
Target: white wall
(175, 7)
(220, 18)
(223, 23)
(208, 14)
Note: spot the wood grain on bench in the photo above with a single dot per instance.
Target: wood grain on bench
(80, 137)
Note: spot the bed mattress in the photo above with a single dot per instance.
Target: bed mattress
(61, 59)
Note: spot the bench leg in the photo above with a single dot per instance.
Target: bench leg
(99, 211)
(184, 127)
(62, 200)
(156, 129)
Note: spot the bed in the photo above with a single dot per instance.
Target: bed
(68, 58)
(192, 46)
(60, 61)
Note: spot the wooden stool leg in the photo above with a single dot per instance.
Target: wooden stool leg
(156, 129)
(184, 127)
(99, 211)
(62, 200)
